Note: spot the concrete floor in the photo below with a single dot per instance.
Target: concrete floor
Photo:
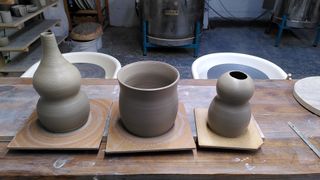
(295, 55)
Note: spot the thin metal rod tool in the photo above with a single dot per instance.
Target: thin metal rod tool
(299, 133)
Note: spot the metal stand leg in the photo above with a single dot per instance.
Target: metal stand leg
(197, 39)
(280, 30)
(315, 43)
(144, 37)
(270, 26)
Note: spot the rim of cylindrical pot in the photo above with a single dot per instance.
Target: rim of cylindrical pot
(148, 89)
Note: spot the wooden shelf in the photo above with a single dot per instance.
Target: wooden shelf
(99, 14)
(87, 12)
(7, 2)
(18, 21)
(26, 37)
(22, 62)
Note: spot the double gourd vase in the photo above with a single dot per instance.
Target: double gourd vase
(229, 113)
(62, 107)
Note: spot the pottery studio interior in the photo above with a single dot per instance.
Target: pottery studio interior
(159, 89)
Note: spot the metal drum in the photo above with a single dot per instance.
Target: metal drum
(172, 22)
(300, 13)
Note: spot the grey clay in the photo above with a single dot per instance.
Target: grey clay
(148, 100)
(229, 113)
(62, 107)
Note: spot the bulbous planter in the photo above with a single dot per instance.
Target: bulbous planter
(148, 100)
(62, 107)
(229, 113)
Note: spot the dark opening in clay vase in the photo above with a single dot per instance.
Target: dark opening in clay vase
(62, 107)
(148, 100)
(229, 113)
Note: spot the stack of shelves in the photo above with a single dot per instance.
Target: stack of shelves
(22, 40)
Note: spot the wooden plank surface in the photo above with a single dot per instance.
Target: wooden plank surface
(87, 11)
(26, 37)
(178, 138)
(88, 137)
(250, 140)
(18, 21)
(6, 2)
(283, 154)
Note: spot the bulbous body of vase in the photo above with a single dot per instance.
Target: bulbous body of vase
(62, 107)
(148, 100)
(229, 113)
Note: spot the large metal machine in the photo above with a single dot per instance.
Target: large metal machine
(297, 14)
(173, 23)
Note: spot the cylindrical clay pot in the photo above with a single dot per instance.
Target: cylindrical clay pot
(230, 112)
(148, 101)
(62, 107)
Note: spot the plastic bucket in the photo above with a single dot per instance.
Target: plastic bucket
(87, 46)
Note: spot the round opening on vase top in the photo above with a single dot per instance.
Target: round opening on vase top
(238, 75)
(235, 87)
(148, 100)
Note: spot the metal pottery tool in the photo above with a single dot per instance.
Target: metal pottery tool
(299, 133)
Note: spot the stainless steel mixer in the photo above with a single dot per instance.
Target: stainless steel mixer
(299, 13)
(171, 22)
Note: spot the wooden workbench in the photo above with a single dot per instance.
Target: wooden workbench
(283, 154)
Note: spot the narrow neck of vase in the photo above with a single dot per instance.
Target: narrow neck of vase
(49, 47)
